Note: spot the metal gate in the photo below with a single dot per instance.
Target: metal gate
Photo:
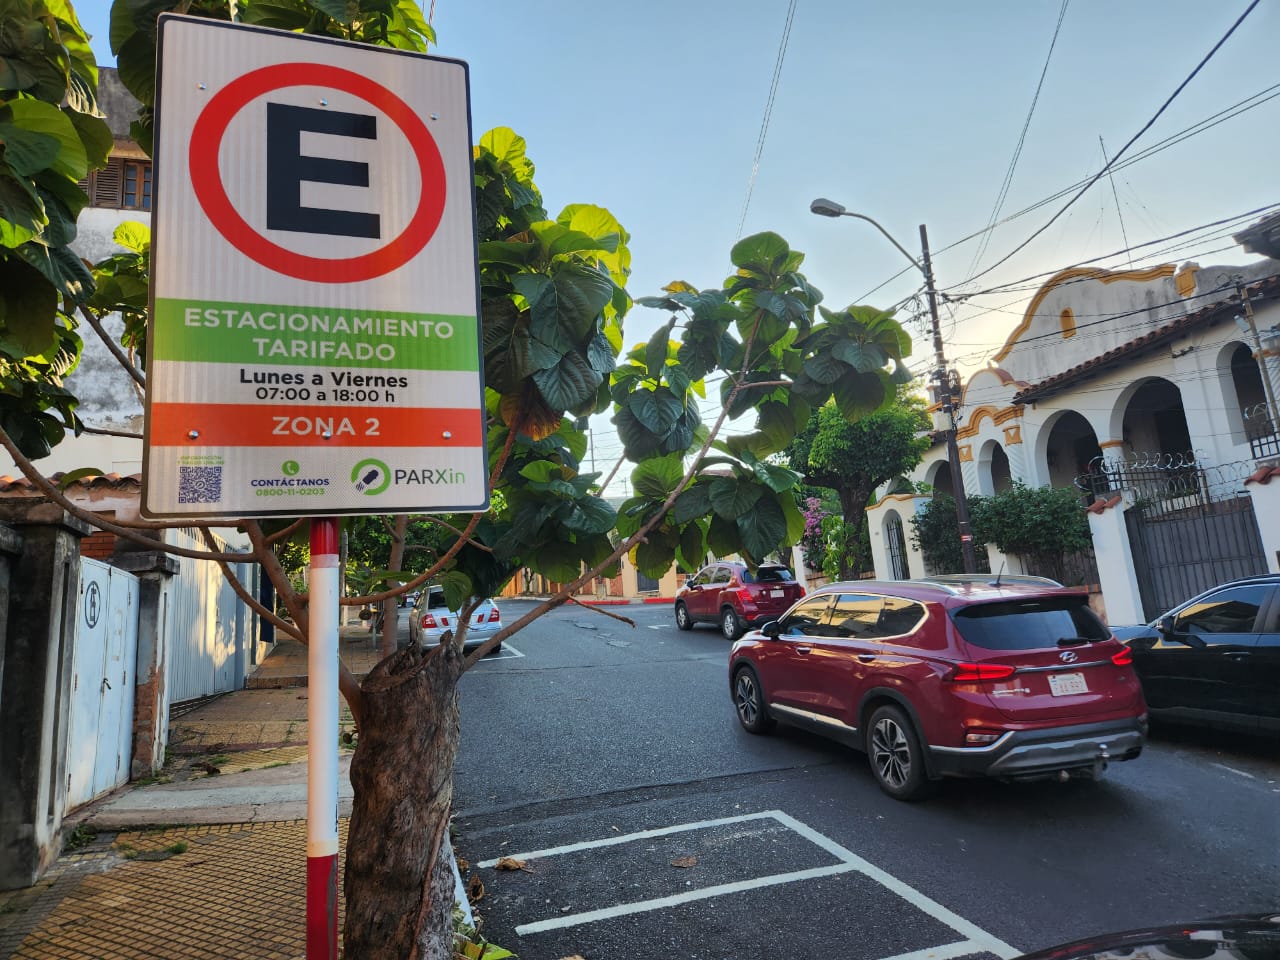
(1190, 527)
(100, 742)
(208, 634)
(645, 583)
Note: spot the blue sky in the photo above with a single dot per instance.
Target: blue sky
(908, 112)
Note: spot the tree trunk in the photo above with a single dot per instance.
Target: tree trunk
(391, 615)
(398, 884)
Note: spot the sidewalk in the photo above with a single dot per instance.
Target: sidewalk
(208, 861)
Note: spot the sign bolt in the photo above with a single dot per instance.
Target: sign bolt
(435, 116)
(327, 435)
(324, 102)
(202, 85)
(447, 435)
(193, 434)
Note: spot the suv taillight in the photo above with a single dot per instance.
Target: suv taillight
(977, 672)
(744, 595)
(1122, 659)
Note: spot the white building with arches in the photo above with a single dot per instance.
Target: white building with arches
(1150, 384)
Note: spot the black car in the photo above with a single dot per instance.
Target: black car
(1224, 938)
(1215, 659)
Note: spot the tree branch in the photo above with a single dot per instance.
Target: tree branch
(138, 377)
(88, 516)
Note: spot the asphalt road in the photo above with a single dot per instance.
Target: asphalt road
(608, 758)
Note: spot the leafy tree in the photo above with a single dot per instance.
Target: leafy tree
(51, 135)
(553, 300)
(1042, 525)
(854, 459)
(936, 535)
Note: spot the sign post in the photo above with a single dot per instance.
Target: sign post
(314, 346)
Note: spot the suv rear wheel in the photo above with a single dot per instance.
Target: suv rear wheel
(730, 625)
(748, 700)
(895, 755)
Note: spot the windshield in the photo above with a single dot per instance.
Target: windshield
(1028, 624)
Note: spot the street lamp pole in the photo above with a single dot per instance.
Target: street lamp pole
(941, 377)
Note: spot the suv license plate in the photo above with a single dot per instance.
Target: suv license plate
(1065, 684)
(775, 593)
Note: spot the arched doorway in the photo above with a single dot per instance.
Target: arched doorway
(1154, 420)
(1072, 445)
(895, 540)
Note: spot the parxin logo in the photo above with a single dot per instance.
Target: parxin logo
(290, 484)
(372, 477)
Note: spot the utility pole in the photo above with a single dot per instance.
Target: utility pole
(942, 378)
(1264, 368)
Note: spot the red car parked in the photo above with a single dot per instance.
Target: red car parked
(729, 594)
(1010, 678)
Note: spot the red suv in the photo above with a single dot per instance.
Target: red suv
(729, 594)
(1010, 678)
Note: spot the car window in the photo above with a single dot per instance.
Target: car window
(899, 617)
(1234, 610)
(435, 600)
(703, 576)
(855, 615)
(722, 575)
(768, 575)
(807, 618)
(1034, 624)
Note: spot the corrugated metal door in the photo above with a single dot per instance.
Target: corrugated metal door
(203, 621)
(100, 728)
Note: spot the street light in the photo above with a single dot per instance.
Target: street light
(829, 208)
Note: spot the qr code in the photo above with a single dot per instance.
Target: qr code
(199, 484)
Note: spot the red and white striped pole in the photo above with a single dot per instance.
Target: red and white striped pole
(322, 743)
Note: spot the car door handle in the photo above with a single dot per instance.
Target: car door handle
(1240, 655)
(866, 657)
(803, 649)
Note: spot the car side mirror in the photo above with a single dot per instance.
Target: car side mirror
(1165, 626)
(772, 629)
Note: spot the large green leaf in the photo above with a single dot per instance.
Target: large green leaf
(541, 471)
(794, 517)
(654, 556)
(693, 546)
(458, 588)
(731, 497)
(658, 410)
(723, 538)
(591, 515)
(22, 215)
(95, 135)
(658, 349)
(26, 152)
(582, 292)
(133, 236)
(638, 440)
(27, 306)
(759, 251)
(60, 267)
(509, 148)
(569, 383)
(36, 116)
(763, 528)
(694, 501)
(860, 394)
(656, 478)
(774, 477)
(863, 357)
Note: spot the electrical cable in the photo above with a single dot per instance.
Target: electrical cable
(1003, 193)
(1145, 127)
(768, 112)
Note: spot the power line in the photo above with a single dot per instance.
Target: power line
(1200, 126)
(1003, 193)
(768, 112)
(1145, 127)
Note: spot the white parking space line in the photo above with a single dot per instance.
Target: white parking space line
(949, 952)
(1238, 773)
(977, 940)
(507, 652)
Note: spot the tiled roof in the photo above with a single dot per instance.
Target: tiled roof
(20, 486)
(1267, 287)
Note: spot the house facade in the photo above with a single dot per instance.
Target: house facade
(1149, 391)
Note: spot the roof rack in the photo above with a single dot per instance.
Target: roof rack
(952, 580)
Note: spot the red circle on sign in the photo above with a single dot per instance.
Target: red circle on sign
(206, 175)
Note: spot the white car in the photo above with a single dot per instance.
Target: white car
(431, 617)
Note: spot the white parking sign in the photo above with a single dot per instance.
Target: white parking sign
(314, 345)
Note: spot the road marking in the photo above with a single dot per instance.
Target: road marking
(507, 652)
(977, 940)
(1239, 773)
(949, 952)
